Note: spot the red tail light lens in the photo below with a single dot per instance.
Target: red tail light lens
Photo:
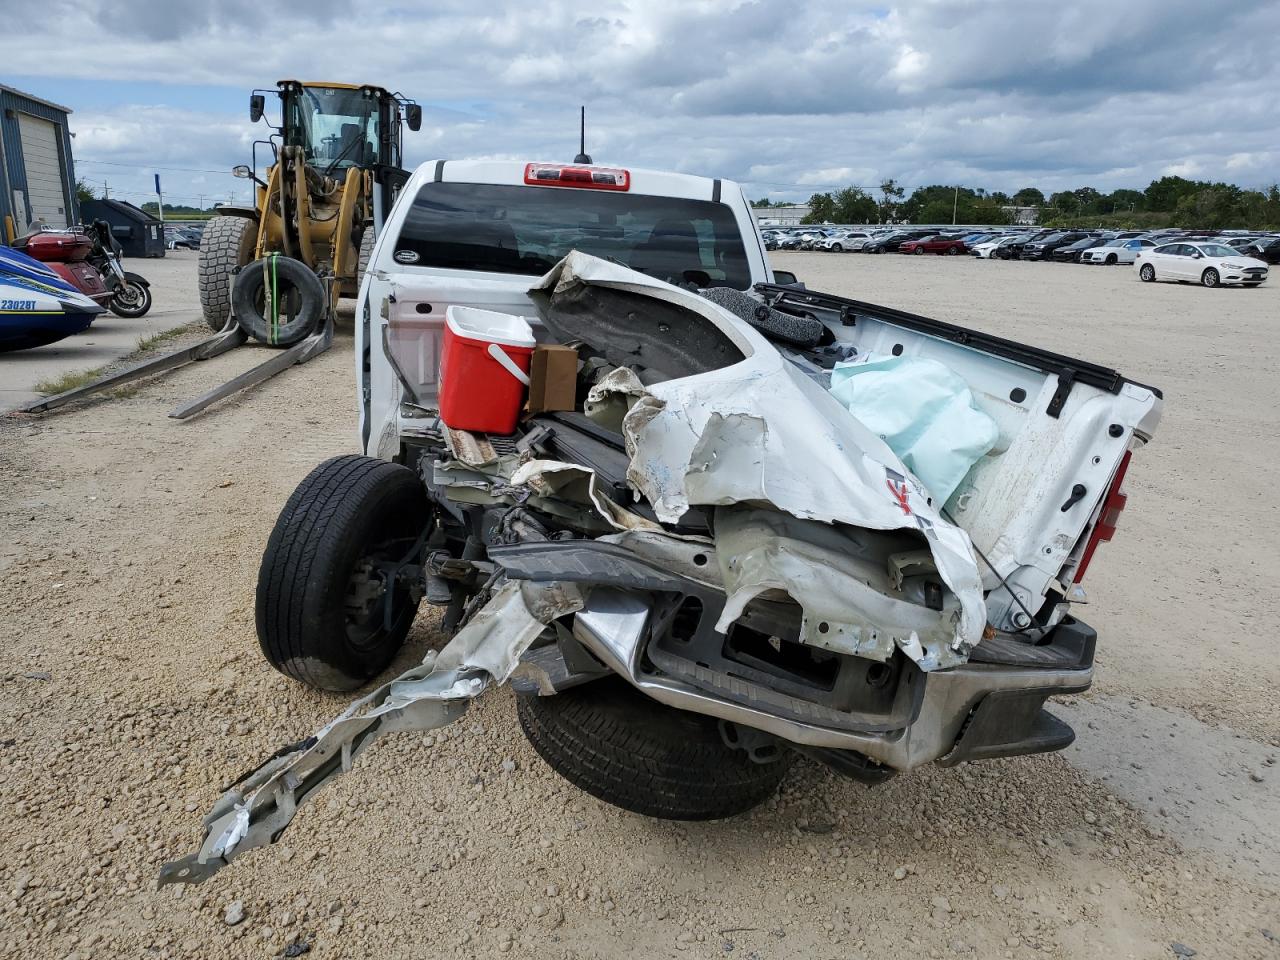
(588, 178)
(1108, 518)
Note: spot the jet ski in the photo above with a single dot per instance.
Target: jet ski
(36, 305)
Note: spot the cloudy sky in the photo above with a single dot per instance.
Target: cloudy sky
(786, 97)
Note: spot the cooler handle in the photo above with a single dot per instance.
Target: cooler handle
(507, 363)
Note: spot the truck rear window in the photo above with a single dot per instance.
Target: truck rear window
(500, 228)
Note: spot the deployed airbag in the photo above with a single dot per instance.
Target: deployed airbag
(923, 410)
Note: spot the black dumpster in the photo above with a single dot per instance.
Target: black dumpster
(138, 232)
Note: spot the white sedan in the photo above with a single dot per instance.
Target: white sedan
(1117, 251)
(1209, 264)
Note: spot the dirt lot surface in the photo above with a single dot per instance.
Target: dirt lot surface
(131, 689)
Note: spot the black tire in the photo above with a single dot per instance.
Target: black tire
(227, 243)
(1210, 278)
(366, 253)
(918, 251)
(628, 750)
(347, 511)
(299, 293)
(1111, 259)
(837, 248)
(133, 299)
(952, 251)
(1147, 274)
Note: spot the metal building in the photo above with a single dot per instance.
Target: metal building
(37, 177)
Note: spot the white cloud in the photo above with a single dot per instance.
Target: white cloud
(781, 95)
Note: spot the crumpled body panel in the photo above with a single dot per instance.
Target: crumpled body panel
(758, 431)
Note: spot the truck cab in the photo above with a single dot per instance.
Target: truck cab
(479, 233)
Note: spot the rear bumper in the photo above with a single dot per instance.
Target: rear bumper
(976, 711)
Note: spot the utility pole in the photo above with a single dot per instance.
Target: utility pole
(955, 204)
(106, 190)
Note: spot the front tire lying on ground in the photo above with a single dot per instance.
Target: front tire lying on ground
(626, 749)
(322, 613)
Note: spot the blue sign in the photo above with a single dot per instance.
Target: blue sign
(157, 184)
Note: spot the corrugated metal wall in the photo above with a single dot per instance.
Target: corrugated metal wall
(13, 176)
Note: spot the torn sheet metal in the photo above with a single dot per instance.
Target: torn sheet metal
(485, 651)
(758, 431)
(553, 479)
(841, 578)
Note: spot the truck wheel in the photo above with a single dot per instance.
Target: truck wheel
(322, 612)
(626, 749)
(227, 243)
(300, 300)
(366, 253)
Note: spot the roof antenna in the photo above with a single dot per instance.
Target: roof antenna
(582, 139)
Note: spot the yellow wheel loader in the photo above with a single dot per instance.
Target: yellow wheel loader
(275, 271)
(281, 265)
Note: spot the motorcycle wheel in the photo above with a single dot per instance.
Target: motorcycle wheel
(131, 299)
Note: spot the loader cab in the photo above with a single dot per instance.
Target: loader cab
(340, 126)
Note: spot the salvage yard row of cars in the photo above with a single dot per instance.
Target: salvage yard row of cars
(1211, 259)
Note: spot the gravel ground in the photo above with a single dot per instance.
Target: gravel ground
(132, 689)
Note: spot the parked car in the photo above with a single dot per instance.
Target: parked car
(840, 242)
(1116, 251)
(939, 244)
(988, 249)
(1267, 250)
(1016, 249)
(1043, 249)
(176, 238)
(890, 242)
(1072, 251)
(1209, 264)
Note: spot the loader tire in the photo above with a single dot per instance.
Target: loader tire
(299, 291)
(628, 750)
(315, 620)
(366, 253)
(227, 243)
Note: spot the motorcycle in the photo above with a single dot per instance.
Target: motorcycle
(89, 259)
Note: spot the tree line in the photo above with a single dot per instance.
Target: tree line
(1167, 202)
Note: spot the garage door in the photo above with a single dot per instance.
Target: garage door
(44, 170)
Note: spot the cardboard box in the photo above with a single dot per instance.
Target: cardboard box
(553, 378)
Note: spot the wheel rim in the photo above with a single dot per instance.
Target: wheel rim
(1210, 278)
(1147, 273)
(366, 594)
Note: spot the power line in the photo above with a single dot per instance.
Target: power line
(147, 166)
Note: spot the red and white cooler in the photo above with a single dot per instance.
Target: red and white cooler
(484, 369)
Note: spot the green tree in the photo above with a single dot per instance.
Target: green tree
(1065, 201)
(1029, 197)
(1088, 200)
(822, 209)
(84, 191)
(1126, 201)
(1164, 194)
(1214, 207)
(891, 194)
(854, 205)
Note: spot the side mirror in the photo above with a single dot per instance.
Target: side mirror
(242, 171)
(1196, 256)
(257, 104)
(413, 116)
(787, 279)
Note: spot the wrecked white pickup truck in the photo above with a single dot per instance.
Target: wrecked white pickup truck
(712, 559)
